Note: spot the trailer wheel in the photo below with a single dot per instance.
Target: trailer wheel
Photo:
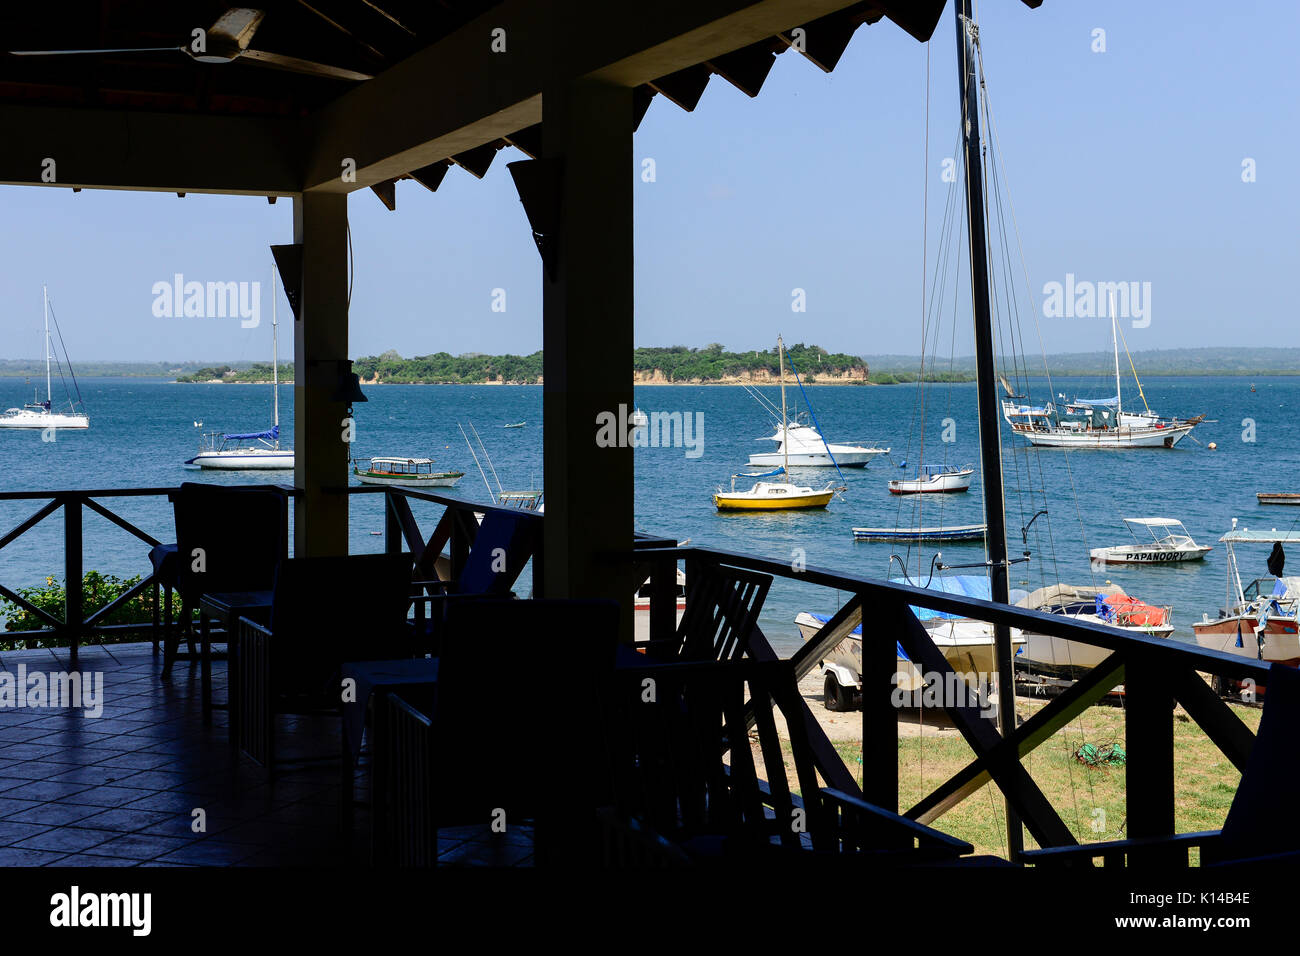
(835, 697)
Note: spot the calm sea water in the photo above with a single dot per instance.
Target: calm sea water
(142, 431)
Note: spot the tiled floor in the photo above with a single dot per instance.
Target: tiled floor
(147, 784)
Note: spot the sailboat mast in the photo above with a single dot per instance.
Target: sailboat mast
(1119, 402)
(275, 358)
(49, 392)
(986, 384)
(785, 434)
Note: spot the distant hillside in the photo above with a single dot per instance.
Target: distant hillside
(255, 373)
(1205, 361)
(32, 368)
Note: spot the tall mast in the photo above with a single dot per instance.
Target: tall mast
(49, 393)
(1119, 402)
(275, 357)
(986, 384)
(785, 434)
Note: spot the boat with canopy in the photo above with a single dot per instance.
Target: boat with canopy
(407, 472)
(1260, 617)
(1169, 544)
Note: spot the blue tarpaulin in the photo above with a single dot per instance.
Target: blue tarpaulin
(272, 434)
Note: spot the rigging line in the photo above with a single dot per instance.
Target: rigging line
(475, 457)
(1047, 371)
(65, 355)
(1129, 356)
(491, 466)
(816, 423)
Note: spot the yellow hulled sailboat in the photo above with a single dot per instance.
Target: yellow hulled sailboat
(773, 495)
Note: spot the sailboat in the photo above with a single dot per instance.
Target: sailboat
(1095, 423)
(774, 495)
(251, 451)
(38, 414)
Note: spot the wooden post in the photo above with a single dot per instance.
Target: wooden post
(320, 337)
(1149, 740)
(587, 339)
(73, 611)
(879, 714)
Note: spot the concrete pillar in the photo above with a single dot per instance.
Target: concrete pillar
(587, 338)
(320, 341)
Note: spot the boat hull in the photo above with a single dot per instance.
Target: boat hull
(1110, 438)
(742, 501)
(444, 480)
(246, 460)
(40, 421)
(847, 459)
(973, 532)
(1123, 555)
(937, 484)
(1281, 638)
(1280, 498)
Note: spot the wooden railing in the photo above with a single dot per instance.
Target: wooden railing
(1156, 674)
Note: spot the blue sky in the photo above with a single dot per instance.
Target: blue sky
(1124, 166)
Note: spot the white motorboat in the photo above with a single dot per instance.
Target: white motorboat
(1170, 544)
(251, 451)
(1260, 619)
(41, 415)
(804, 446)
(934, 480)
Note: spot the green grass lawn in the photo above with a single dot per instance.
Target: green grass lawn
(1205, 779)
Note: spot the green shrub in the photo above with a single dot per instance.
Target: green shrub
(98, 590)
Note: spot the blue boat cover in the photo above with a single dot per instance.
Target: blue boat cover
(857, 632)
(1097, 401)
(272, 434)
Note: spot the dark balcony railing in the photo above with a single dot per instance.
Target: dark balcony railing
(1156, 673)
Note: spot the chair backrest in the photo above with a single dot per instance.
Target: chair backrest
(1261, 818)
(683, 759)
(229, 538)
(516, 729)
(326, 611)
(504, 543)
(722, 607)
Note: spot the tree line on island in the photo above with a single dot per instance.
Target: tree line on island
(676, 364)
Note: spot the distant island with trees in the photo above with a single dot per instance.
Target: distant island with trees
(710, 365)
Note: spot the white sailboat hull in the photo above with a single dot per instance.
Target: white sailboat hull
(245, 459)
(26, 418)
(847, 458)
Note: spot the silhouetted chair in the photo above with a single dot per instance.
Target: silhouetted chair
(506, 540)
(687, 788)
(324, 612)
(1260, 826)
(722, 608)
(228, 539)
(510, 737)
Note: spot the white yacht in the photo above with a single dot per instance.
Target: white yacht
(38, 414)
(805, 448)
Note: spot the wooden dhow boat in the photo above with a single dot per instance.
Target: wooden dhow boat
(1259, 618)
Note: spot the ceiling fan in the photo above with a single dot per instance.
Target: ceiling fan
(224, 42)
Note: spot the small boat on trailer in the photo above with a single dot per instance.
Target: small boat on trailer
(934, 480)
(1104, 604)
(967, 645)
(407, 472)
(960, 532)
(1278, 498)
(1170, 544)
